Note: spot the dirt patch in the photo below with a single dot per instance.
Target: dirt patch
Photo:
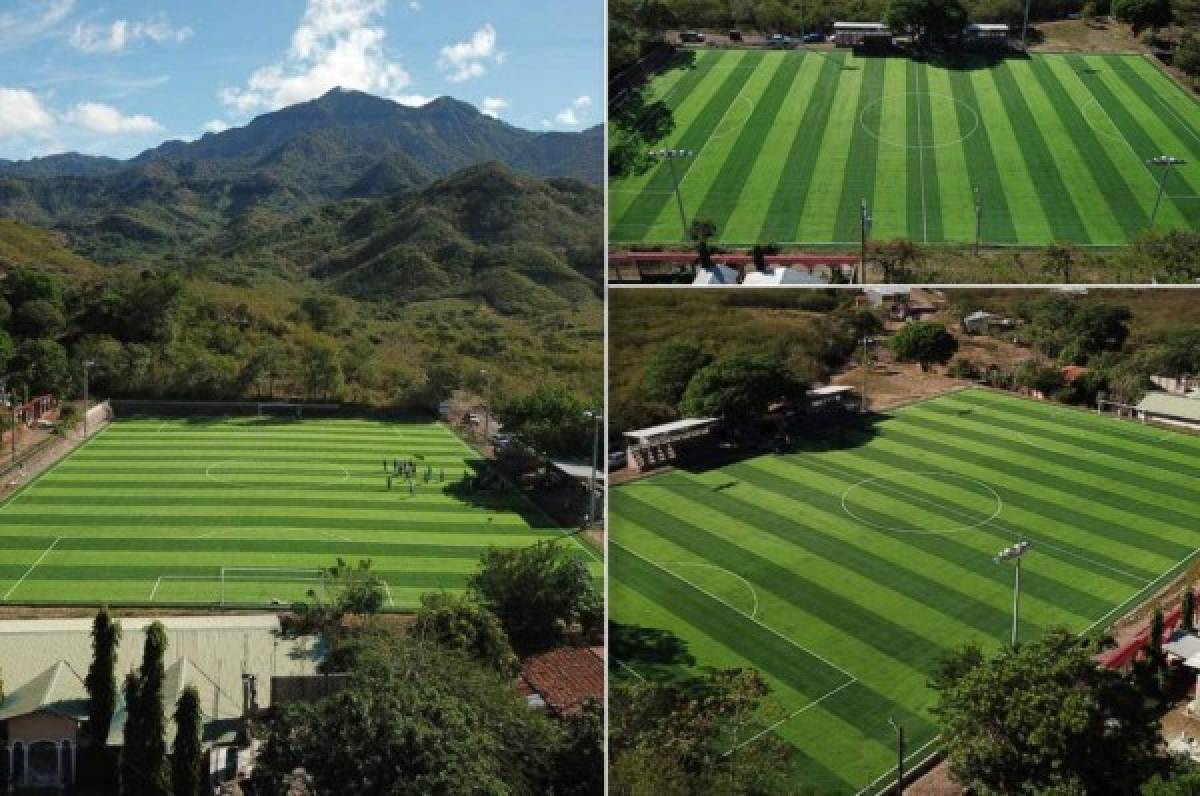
(1101, 35)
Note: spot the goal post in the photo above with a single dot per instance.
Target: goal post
(1118, 410)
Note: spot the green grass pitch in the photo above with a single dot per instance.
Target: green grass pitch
(150, 511)
(844, 571)
(789, 143)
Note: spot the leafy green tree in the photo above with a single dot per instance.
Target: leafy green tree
(324, 313)
(23, 284)
(38, 318)
(42, 366)
(895, 258)
(1185, 781)
(1179, 355)
(7, 350)
(1187, 613)
(1057, 260)
(925, 343)
(537, 592)
(5, 313)
(1187, 55)
(1033, 375)
(551, 420)
(741, 386)
(580, 766)
(415, 718)
(675, 737)
(1094, 329)
(101, 679)
(460, 622)
(1154, 648)
(701, 232)
(320, 367)
(669, 370)
(187, 751)
(931, 20)
(1044, 716)
(1141, 15)
(144, 756)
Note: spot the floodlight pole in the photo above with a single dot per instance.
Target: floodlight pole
(487, 407)
(1014, 554)
(12, 415)
(86, 367)
(862, 404)
(1165, 162)
(671, 155)
(899, 754)
(595, 416)
(1025, 28)
(978, 221)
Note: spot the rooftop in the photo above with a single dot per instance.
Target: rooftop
(565, 677)
(644, 435)
(1166, 404)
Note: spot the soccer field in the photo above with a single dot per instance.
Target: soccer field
(245, 511)
(844, 572)
(788, 144)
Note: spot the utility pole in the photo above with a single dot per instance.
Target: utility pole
(487, 407)
(978, 221)
(1014, 554)
(1165, 162)
(862, 404)
(12, 398)
(672, 155)
(866, 230)
(899, 755)
(1025, 28)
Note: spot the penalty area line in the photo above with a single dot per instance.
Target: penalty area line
(789, 717)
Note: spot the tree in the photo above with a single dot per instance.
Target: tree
(1033, 375)
(24, 284)
(459, 622)
(1185, 781)
(701, 232)
(1057, 260)
(1187, 613)
(101, 679)
(580, 765)
(7, 350)
(1187, 54)
(1154, 649)
(414, 718)
(669, 370)
(551, 420)
(1143, 14)
(676, 737)
(895, 258)
(187, 752)
(324, 313)
(924, 342)
(39, 319)
(1044, 716)
(741, 386)
(1094, 329)
(42, 366)
(320, 367)
(537, 592)
(931, 20)
(144, 760)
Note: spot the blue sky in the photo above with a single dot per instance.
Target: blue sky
(114, 78)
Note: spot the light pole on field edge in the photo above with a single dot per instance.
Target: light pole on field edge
(87, 366)
(1165, 162)
(595, 416)
(12, 399)
(672, 155)
(1014, 554)
(1025, 28)
(978, 221)
(899, 754)
(487, 407)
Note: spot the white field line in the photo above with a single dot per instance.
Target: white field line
(736, 610)
(1172, 572)
(32, 567)
(715, 567)
(1178, 117)
(1141, 161)
(961, 512)
(788, 718)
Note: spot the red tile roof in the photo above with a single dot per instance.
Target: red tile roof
(564, 677)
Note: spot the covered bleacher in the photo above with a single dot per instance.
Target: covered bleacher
(662, 266)
(666, 443)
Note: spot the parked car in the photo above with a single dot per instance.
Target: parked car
(813, 38)
(691, 36)
(473, 418)
(779, 40)
(500, 441)
(735, 35)
(617, 460)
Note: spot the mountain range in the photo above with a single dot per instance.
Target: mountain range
(175, 199)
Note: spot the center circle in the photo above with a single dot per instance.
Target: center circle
(895, 103)
(736, 116)
(856, 500)
(240, 472)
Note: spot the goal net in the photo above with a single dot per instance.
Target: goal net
(269, 584)
(1117, 409)
(281, 410)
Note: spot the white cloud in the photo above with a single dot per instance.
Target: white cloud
(336, 44)
(493, 106)
(567, 117)
(413, 100)
(32, 17)
(115, 37)
(574, 115)
(21, 112)
(582, 102)
(216, 126)
(414, 5)
(97, 117)
(467, 59)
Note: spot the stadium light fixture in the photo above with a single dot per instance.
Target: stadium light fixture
(978, 221)
(595, 417)
(87, 366)
(670, 156)
(1165, 162)
(1014, 553)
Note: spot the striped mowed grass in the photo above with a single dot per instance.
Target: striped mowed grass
(151, 511)
(845, 571)
(788, 144)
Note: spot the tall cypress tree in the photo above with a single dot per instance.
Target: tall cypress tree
(101, 680)
(1188, 611)
(145, 740)
(187, 762)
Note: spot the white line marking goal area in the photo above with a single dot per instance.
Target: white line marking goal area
(32, 567)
